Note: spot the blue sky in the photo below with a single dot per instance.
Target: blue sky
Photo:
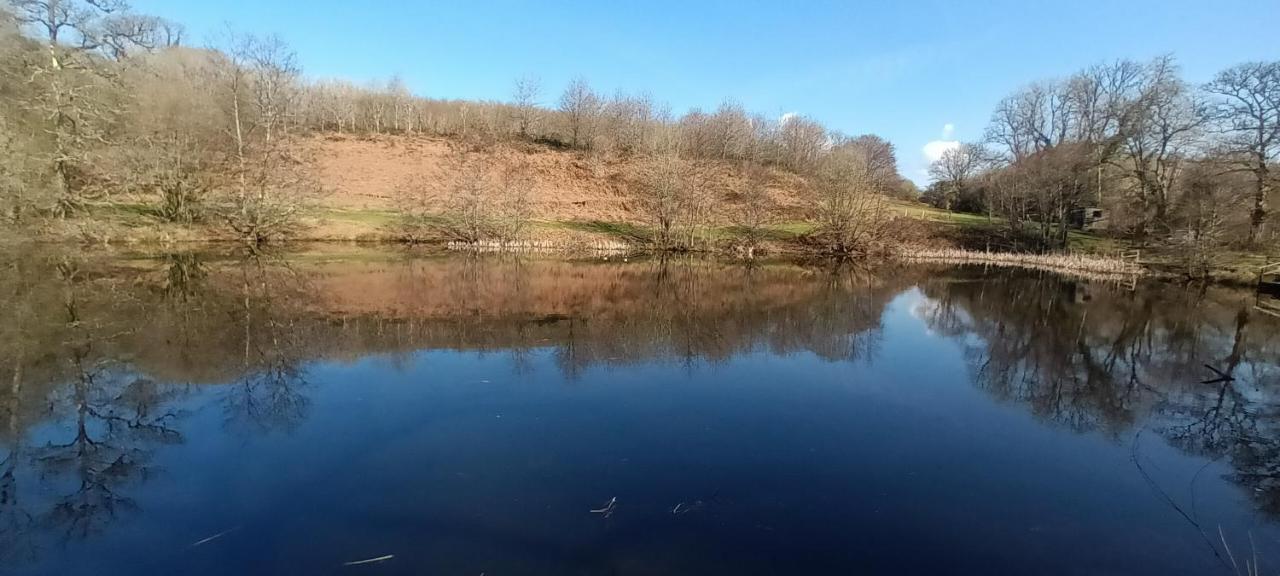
(903, 70)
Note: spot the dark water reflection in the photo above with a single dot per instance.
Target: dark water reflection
(203, 414)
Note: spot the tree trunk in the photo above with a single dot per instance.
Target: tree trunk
(1258, 218)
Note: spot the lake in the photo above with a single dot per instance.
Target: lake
(361, 411)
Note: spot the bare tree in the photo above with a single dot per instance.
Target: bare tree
(122, 33)
(470, 203)
(78, 25)
(849, 210)
(513, 207)
(881, 159)
(1060, 138)
(170, 136)
(756, 208)
(731, 127)
(418, 219)
(269, 187)
(631, 122)
(1163, 126)
(1246, 111)
(724, 135)
(580, 106)
(18, 196)
(401, 101)
(73, 94)
(802, 142)
(524, 100)
(663, 195)
(274, 85)
(1204, 208)
(955, 170)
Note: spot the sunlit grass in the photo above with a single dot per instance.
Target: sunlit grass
(931, 214)
(371, 217)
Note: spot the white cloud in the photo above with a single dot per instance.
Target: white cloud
(935, 149)
(783, 119)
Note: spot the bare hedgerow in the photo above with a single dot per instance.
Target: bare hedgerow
(482, 204)
(514, 208)
(418, 217)
(851, 212)
(755, 207)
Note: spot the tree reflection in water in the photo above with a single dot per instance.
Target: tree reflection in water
(1118, 361)
(102, 354)
(267, 395)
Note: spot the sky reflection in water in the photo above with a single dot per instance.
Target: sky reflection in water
(212, 415)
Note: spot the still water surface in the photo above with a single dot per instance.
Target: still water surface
(205, 414)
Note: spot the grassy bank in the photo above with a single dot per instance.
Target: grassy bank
(952, 237)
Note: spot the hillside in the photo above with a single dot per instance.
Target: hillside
(363, 180)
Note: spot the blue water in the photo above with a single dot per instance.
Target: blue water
(884, 456)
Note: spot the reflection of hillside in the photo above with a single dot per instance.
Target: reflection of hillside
(184, 320)
(608, 312)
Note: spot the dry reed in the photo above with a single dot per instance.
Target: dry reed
(1077, 264)
(535, 246)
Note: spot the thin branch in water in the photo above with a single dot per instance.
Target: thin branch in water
(1135, 456)
(608, 509)
(1235, 567)
(204, 541)
(369, 560)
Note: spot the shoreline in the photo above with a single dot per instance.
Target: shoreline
(1082, 264)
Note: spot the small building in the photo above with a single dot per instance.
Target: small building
(1269, 279)
(1088, 218)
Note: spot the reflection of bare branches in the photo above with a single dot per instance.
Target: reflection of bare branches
(109, 449)
(184, 274)
(1045, 351)
(1109, 359)
(16, 542)
(268, 395)
(1227, 423)
(267, 400)
(1135, 456)
(116, 419)
(1210, 428)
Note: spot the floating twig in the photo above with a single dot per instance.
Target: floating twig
(685, 508)
(204, 541)
(370, 560)
(608, 508)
